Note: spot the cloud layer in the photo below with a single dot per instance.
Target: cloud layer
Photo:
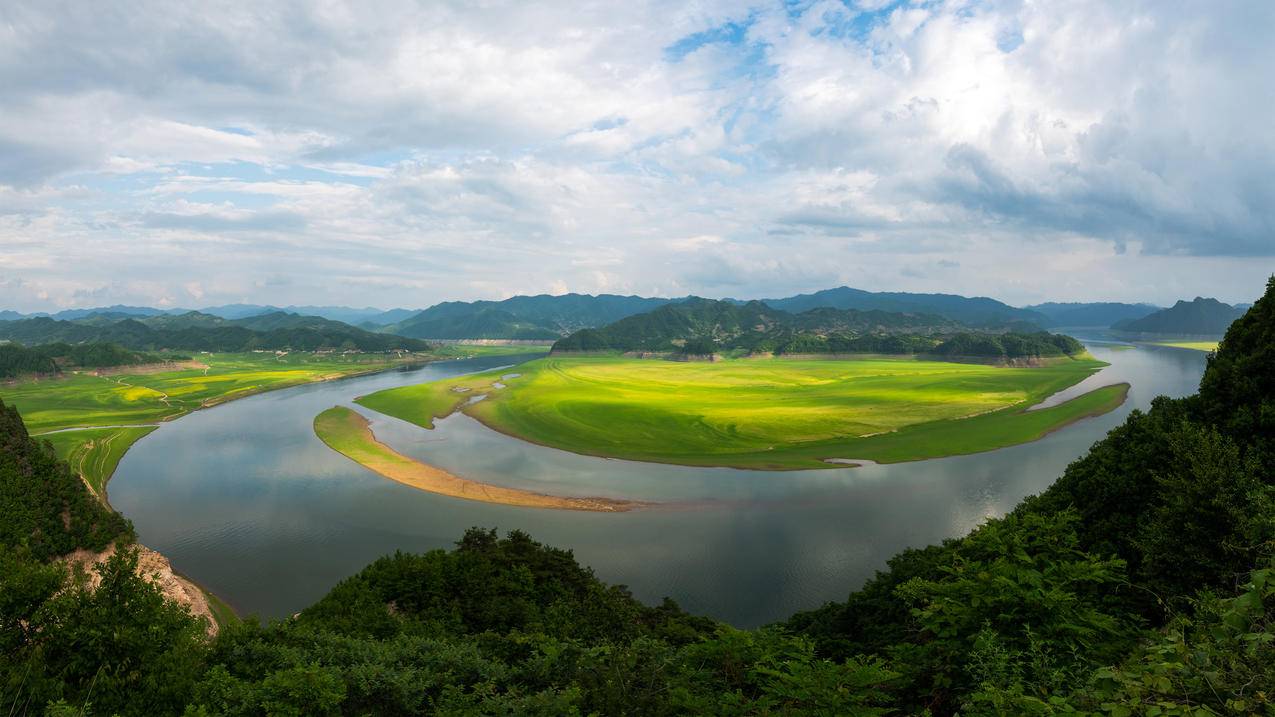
(405, 153)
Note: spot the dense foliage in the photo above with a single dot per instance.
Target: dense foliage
(1009, 345)
(521, 317)
(17, 360)
(1171, 511)
(45, 507)
(1141, 582)
(202, 332)
(703, 326)
(971, 311)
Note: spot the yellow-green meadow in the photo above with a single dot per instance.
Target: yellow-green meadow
(775, 414)
(118, 408)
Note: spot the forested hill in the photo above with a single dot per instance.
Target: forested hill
(18, 360)
(203, 332)
(1167, 524)
(1140, 583)
(521, 317)
(552, 317)
(703, 326)
(47, 510)
(1199, 317)
(972, 311)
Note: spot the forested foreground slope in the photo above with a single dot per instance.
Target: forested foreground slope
(1140, 583)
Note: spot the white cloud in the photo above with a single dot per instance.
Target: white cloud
(410, 153)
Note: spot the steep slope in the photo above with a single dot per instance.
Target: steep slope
(47, 509)
(1181, 497)
(1199, 317)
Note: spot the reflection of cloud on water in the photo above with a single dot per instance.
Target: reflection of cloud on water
(255, 506)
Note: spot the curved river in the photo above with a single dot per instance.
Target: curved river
(244, 499)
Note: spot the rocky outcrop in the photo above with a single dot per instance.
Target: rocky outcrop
(155, 568)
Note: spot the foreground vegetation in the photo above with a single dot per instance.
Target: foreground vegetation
(1140, 583)
(117, 406)
(769, 414)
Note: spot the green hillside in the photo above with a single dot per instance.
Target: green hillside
(521, 317)
(1198, 317)
(202, 332)
(973, 311)
(1140, 583)
(703, 326)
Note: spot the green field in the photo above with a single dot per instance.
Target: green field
(776, 414)
(348, 433)
(94, 452)
(113, 409)
(1193, 345)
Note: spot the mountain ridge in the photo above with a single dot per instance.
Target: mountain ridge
(1198, 317)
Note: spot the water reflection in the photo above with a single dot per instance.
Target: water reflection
(247, 501)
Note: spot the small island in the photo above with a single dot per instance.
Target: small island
(763, 414)
(349, 434)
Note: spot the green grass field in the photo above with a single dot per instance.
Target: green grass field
(112, 408)
(773, 414)
(94, 452)
(1193, 345)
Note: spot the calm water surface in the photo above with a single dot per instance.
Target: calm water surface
(244, 499)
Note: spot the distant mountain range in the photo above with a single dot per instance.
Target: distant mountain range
(1199, 317)
(552, 317)
(196, 331)
(700, 327)
(548, 317)
(345, 314)
(1091, 315)
(521, 317)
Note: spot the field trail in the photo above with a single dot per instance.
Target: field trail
(349, 434)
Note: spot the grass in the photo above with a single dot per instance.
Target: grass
(222, 613)
(348, 433)
(775, 414)
(1193, 345)
(95, 452)
(111, 408)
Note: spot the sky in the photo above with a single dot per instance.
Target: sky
(397, 154)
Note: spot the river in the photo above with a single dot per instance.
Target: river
(244, 499)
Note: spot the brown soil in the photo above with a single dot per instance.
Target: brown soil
(380, 458)
(155, 568)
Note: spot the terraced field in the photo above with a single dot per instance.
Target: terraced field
(772, 414)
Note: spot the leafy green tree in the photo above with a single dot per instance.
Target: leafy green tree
(120, 645)
(1022, 588)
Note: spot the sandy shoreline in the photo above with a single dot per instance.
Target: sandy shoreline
(348, 433)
